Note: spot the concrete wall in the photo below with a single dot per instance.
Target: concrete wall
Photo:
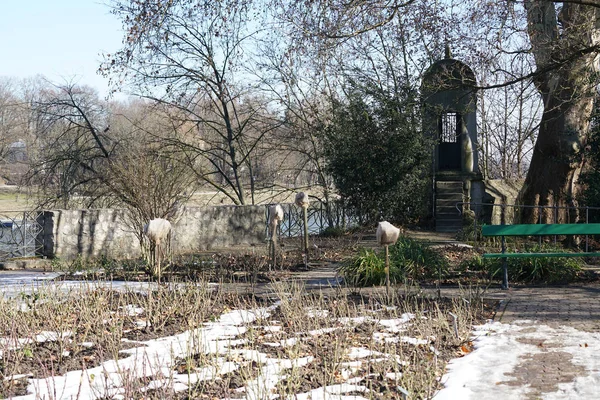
(219, 227)
(93, 233)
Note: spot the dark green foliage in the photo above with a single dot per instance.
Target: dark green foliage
(366, 269)
(590, 178)
(417, 260)
(409, 259)
(377, 155)
(549, 270)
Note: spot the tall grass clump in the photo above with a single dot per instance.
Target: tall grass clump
(409, 259)
(417, 259)
(530, 270)
(367, 268)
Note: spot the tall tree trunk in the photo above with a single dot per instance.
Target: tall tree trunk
(566, 60)
(557, 157)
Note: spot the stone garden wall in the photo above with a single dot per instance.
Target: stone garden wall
(93, 233)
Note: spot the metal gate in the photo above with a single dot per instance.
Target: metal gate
(21, 234)
(292, 225)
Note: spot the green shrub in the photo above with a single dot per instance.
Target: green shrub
(544, 270)
(417, 260)
(332, 232)
(409, 259)
(476, 263)
(548, 270)
(378, 164)
(71, 266)
(367, 269)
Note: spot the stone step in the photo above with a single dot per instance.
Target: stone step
(26, 264)
(449, 219)
(454, 184)
(448, 194)
(447, 229)
(448, 191)
(449, 183)
(447, 205)
(448, 224)
(447, 202)
(449, 216)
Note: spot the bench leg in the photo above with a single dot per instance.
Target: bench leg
(505, 273)
(504, 266)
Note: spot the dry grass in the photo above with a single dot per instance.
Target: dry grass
(204, 198)
(292, 343)
(13, 198)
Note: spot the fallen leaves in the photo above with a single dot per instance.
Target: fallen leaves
(465, 349)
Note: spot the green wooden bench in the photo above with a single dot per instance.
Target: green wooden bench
(536, 230)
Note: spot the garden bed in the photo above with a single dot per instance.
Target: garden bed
(195, 341)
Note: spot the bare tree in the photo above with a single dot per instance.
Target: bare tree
(562, 38)
(15, 133)
(508, 124)
(74, 148)
(191, 57)
(91, 157)
(565, 42)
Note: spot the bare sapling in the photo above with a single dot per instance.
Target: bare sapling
(302, 202)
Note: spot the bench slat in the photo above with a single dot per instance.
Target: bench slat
(539, 255)
(540, 229)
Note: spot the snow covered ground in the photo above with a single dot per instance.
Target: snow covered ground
(156, 358)
(17, 283)
(223, 340)
(526, 359)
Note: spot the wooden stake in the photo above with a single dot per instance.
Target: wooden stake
(274, 246)
(387, 271)
(305, 216)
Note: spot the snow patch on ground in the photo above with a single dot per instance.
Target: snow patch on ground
(500, 348)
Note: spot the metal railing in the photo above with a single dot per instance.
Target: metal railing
(21, 234)
(320, 217)
(573, 213)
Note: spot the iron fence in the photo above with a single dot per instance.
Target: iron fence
(21, 234)
(320, 217)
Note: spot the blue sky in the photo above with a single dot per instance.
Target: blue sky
(60, 39)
